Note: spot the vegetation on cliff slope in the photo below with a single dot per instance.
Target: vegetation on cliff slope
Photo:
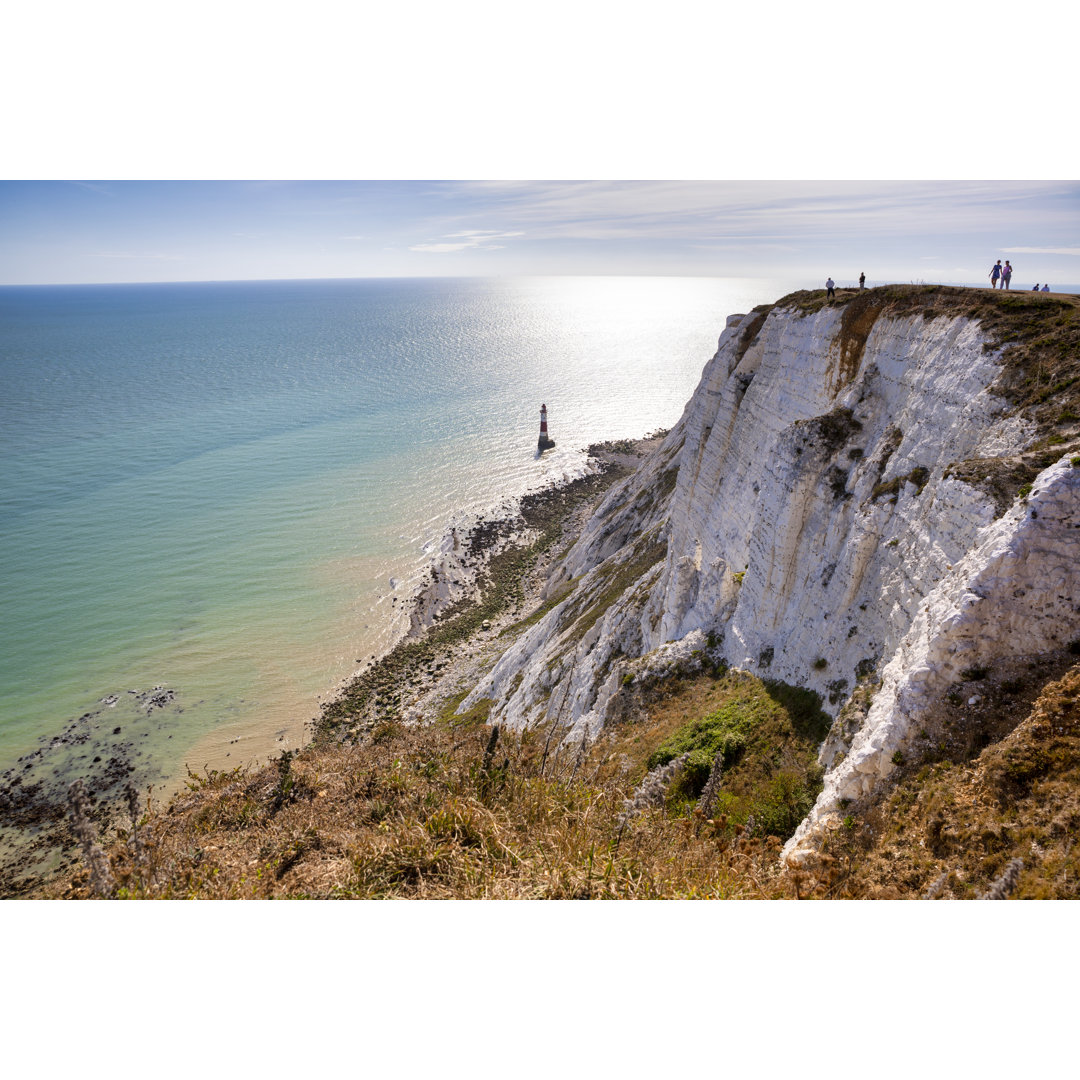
(380, 692)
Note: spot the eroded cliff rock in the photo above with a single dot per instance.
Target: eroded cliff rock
(815, 517)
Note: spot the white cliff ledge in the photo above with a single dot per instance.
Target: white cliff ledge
(807, 520)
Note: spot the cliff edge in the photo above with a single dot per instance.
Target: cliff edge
(877, 500)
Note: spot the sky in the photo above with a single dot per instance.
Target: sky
(92, 231)
(247, 141)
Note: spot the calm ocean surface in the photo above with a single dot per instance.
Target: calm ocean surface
(209, 487)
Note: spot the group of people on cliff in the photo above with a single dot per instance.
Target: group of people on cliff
(1000, 273)
(1004, 275)
(830, 287)
(997, 273)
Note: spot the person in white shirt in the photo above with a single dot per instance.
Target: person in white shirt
(830, 285)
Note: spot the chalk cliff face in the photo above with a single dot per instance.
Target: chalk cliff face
(801, 522)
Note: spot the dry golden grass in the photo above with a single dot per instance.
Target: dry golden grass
(443, 812)
(438, 812)
(967, 810)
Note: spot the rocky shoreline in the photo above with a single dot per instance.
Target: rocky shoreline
(103, 748)
(488, 578)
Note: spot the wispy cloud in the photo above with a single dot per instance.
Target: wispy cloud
(671, 210)
(135, 255)
(1042, 250)
(440, 248)
(101, 189)
(467, 239)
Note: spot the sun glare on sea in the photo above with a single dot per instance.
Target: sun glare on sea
(629, 300)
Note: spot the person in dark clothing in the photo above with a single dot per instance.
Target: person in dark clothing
(862, 281)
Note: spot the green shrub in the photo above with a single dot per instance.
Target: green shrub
(696, 770)
(703, 739)
(767, 734)
(784, 802)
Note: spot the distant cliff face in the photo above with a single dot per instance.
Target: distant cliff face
(813, 518)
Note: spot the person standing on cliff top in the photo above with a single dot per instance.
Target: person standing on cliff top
(830, 286)
(1006, 275)
(995, 273)
(862, 281)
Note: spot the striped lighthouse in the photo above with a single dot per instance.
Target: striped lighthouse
(544, 442)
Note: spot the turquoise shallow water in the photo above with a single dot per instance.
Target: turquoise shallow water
(209, 487)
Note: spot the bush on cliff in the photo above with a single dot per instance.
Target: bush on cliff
(768, 734)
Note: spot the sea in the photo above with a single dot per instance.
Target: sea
(211, 494)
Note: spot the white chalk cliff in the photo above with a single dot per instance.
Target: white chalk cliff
(801, 522)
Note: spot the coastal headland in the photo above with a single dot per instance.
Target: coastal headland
(821, 639)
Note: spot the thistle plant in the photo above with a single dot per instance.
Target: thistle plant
(936, 885)
(285, 782)
(1005, 885)
(581, 752)
(651, 792)
(101, 879)
(712, 785)
(489, 750)
(488, 760)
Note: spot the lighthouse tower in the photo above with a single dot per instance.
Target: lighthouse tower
(544, 442)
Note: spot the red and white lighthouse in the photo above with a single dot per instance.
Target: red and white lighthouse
(544, 442)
